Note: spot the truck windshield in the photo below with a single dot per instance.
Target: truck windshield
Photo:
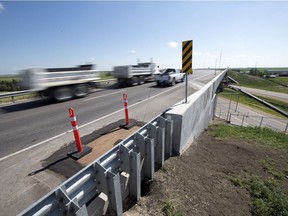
(167, 71)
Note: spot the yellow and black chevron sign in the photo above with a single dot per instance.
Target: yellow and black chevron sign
(187, 47)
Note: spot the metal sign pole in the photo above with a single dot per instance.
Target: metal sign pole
(186, 90)
(187, 47)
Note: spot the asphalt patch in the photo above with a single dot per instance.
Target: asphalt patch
(66, 166)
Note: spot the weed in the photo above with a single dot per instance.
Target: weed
(266, 197)
(268, 165)
(170, 210)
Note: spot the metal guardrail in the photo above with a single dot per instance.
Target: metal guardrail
(261, 101)
(138, 156)
(15, 94)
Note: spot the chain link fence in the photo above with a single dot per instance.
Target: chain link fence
(234, 113)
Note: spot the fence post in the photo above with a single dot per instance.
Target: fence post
(261, 121)
(243, 120)
(286, 128)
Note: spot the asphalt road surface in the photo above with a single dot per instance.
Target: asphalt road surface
(31, 123)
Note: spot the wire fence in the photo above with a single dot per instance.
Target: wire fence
(232, 113)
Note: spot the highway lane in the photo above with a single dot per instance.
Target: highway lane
(28, 123)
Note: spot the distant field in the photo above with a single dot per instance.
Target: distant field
(282, 80)
(259, 82)
(9, 78)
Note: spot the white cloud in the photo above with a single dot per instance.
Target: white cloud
(1, 7)
(172, 44)
(205, 54)
(133, 51)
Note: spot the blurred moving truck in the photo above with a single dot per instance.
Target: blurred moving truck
(135, 74)
(60, 84)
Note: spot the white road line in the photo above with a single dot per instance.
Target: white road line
(33, 146)
(103, 95)
(89, 123)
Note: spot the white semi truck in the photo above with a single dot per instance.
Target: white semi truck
(135, 74)
(60, 84)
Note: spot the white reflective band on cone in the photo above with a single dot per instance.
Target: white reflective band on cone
(75, 128)
(73, 118)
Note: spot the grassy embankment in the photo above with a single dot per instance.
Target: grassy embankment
(260, 83)
(269, 195)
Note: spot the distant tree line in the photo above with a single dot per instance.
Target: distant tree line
(257, 72)
(9, 85)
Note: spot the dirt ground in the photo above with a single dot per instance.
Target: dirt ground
(197, 182)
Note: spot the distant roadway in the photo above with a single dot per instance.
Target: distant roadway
(264, 93)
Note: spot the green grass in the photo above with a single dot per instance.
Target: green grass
(244, 99)
(280, 104)
(266, 196)
(269, 166)
(264, 136)
(282, 80)
(257, 82)
(9, 78)
(169, 209)
(105, 76)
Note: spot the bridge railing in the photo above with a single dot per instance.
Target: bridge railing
(117, 174)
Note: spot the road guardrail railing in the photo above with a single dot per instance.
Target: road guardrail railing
(137, 157)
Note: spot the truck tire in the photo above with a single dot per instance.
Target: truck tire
(134, 81)
(182, 80)
(173, 82)
(80, 90)
(62, 93)
(141, 80)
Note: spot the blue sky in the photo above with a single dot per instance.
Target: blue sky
(69, 33)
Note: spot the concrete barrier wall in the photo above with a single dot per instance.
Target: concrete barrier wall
(190, 119)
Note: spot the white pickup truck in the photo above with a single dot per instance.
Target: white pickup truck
(169, 76)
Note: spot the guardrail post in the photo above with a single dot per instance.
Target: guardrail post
(109, 183)
(149, 158)
(168, 138)
(158, 134)
(130, 163)
(146, 147)
(286, 128)
(67, 206)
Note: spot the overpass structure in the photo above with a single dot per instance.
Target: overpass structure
(109, 180)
